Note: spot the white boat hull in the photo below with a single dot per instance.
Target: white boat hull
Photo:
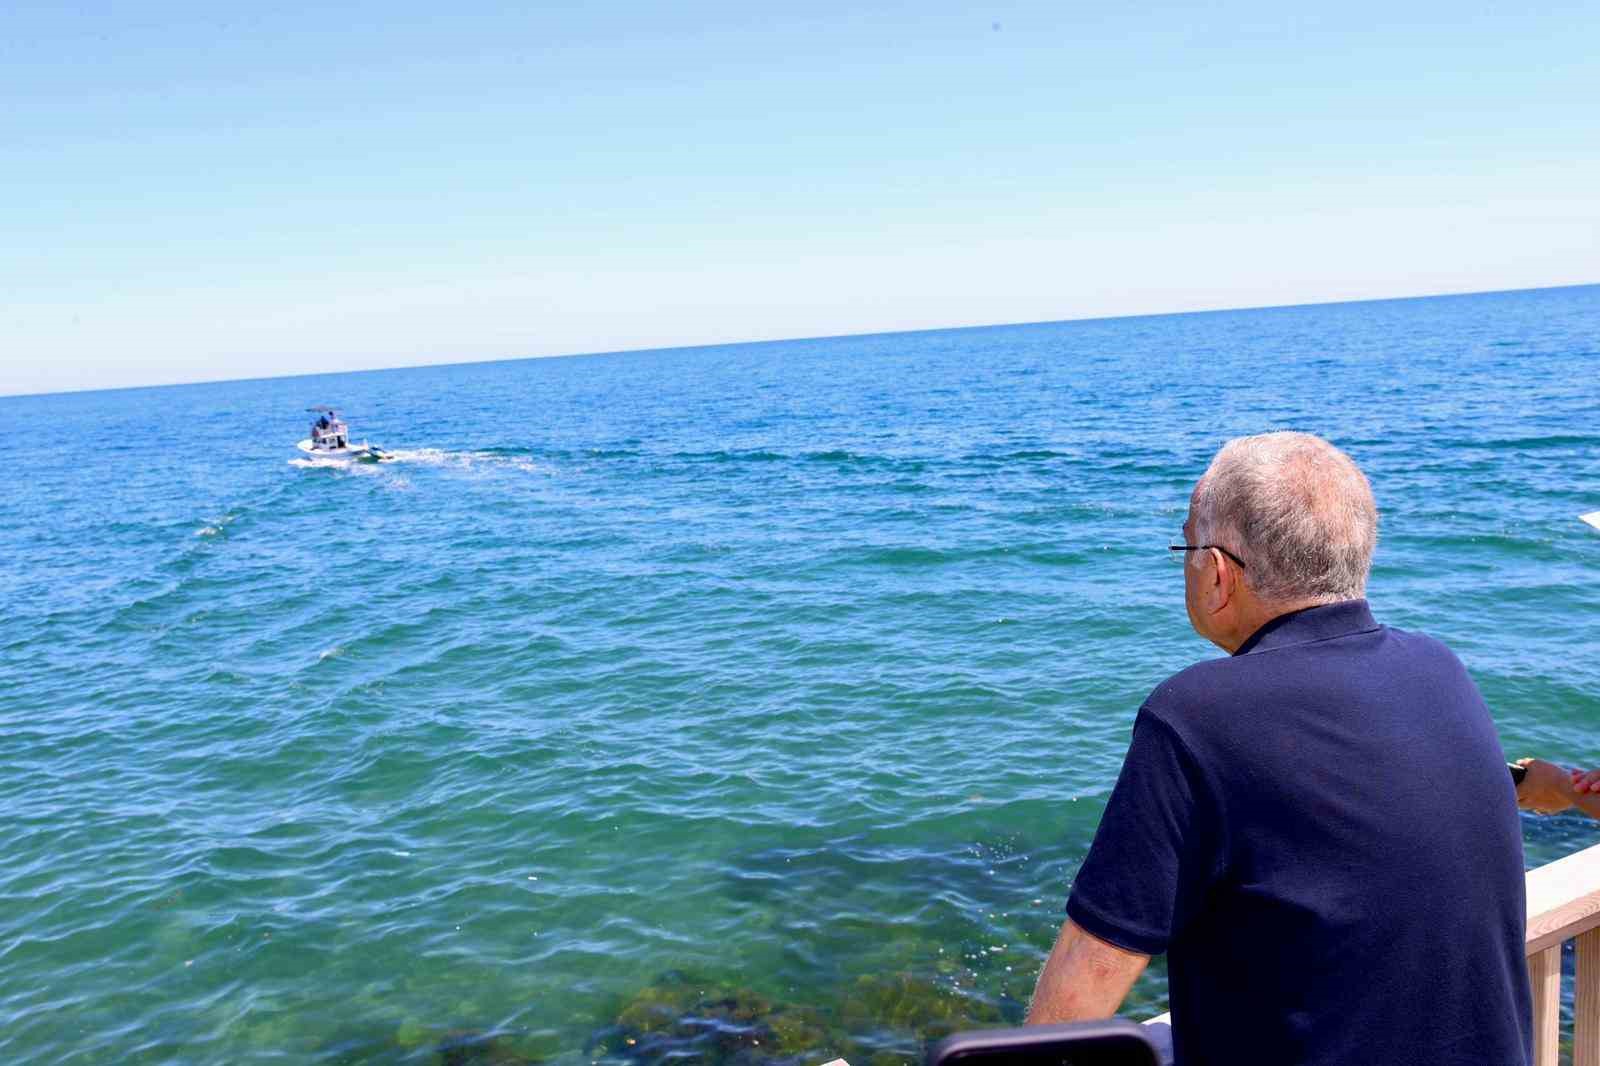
(357, 453)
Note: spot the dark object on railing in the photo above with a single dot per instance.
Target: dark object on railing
(1517, 772)
(1116, 1042)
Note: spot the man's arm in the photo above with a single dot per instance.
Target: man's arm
(1084, 978)
(1545, 787)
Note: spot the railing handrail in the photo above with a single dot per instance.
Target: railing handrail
(1563, 899)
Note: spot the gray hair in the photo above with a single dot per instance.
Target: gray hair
(1297, 510)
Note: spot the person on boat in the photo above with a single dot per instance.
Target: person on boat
(1318, 830)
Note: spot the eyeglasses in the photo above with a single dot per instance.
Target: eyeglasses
(1203, 547)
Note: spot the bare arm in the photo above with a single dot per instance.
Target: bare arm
(1084, 978)
(1550, 789)
(1545, 787)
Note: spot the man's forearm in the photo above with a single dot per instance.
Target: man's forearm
(1545, 787)
(1084, 978)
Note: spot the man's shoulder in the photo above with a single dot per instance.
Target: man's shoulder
(1207, 681)
(1222, 687)
(1419, 641)
(1195, 696)
(1409, 648)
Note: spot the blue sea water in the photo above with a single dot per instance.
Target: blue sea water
(748, 703)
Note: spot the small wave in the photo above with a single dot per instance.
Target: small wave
(211, 529)
(839, 456)
(913, 556)
(1555, 440)
(906, 557)
(756, 456)
(1041, 453)
(832, 457)
(573, 454)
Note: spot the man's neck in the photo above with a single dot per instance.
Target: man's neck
(1253, 614)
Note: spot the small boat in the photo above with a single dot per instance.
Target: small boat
(330, 439)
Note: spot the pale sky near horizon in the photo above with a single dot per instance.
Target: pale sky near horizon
(190, 192)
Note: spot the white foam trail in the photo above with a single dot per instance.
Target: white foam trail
(425, 457)
(440, 457)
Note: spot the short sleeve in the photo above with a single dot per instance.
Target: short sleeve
(1156, 851)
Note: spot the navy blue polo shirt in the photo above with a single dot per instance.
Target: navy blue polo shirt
(1320, 833)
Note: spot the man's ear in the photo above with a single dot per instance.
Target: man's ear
(1221, 583)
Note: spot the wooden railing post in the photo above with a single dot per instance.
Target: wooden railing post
(1544, 974)
(1586, 1002)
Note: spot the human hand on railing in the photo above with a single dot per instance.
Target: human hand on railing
(1546, 788)
(1584, 781)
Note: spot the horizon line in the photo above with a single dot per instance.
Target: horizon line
(794, 340)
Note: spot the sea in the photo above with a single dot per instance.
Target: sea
(740, 704)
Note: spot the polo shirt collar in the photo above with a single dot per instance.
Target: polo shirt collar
(1310, 624)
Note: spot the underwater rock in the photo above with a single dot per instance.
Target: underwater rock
(687, 1016)
(911, 1003)
(800, 1030)
(472, 1048)
(880, 1020)
(423, 1045)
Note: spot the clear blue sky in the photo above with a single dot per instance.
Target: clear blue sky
(192, 191)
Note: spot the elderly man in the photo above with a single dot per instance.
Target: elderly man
(1319, 830)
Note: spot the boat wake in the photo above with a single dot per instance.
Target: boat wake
(425, 457)
(319, 463)
(440, 457)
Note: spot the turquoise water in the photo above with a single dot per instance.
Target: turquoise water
(750, 703)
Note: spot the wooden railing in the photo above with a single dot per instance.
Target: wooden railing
(1564, 904)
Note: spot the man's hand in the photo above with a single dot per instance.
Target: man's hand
(1585, 781)
(1547, 788)
(1084, 978)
